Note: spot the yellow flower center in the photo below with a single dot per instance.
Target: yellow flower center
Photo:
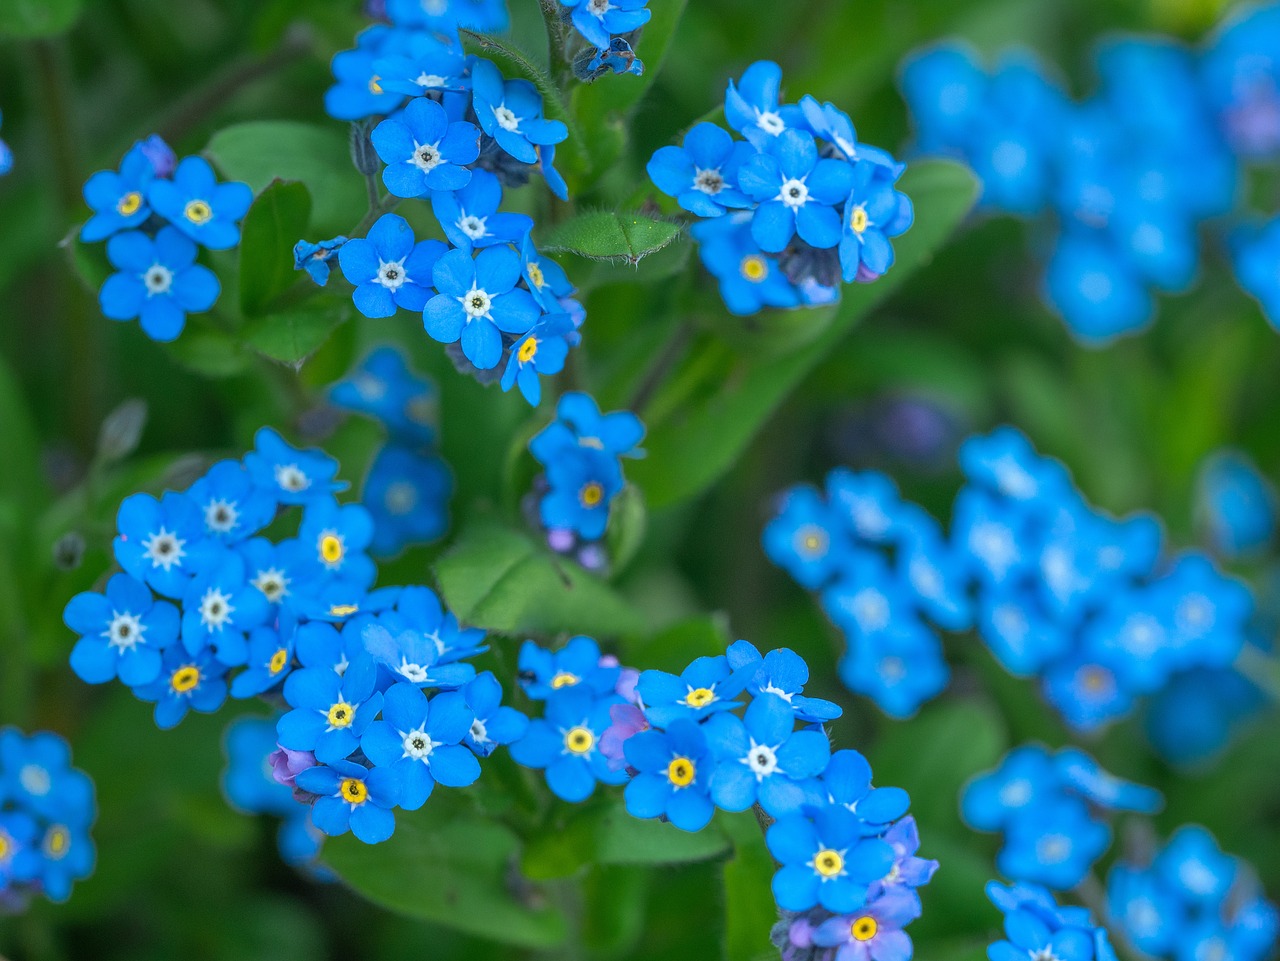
(341, 714)
(185, 678)
(579, 740)
(278, 660)
(197, 211)
(812, 539)
(828, 863)
(754, 268)
(375, 87)
(353, 790)
(700, 697)
(129, 203)
(331, 549)
(56, 842)
(864, 929)
(535, 276)
(4, 847)
(343, 610)
(527, 350)
(564, 679)
(681, 771)
(858, 223)
(1095, 679)
(591, 494)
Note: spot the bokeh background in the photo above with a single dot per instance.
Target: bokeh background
(966, 345)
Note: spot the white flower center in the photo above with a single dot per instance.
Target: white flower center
(401, 498)
(418, 744)
(871, 608)
(428, 80)
(426, 156)
(164, 549)
(473, 226)
(291, 478)
(892, 670)
(794, 193)
(35, 780)
(416, 673)
(1053, 849)
(476, 303)
(506, 118)
(770, 122)
(124, 631)
(273, 583)
(762, 760)
(221, 516)
(370, 387)
(158, 279)
(391, 275)
(215, 609)
(599, 8)
(479, 733)
(710, 182)
(1016, 793)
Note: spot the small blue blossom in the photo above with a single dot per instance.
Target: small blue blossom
(315, 258)
(784, 673)
(330, 711)
(444, 15)
(846, 782)
(706, 687)
(36, 775)
(407, 493)
(419, 609)
(292, 476)
(1031, 935)
(351, 797)
(435, 62)
(220, 607)
(495, 724)
(195, 203)
(797, 192)
(825, 859)
(248, 782)
(185, 683)
(233, 507)
(339, 535)
(1236, 504)
(908, 870)
(470, 217)
(122, 632)
(566, 743)
(545, 278)
(423, 151)
(618, 57)
(268, 661)
(118, 199)
(419, 741)
(161, 541)
(873, 931)
(384, 387)
(1086, 693)
(389, 270)
(898, 669)
(539, 353)
(1193, 862)
(478, 301)
(510, 111)
(1084, 775)
(579, 423)
(1025, 778)
(578, 664)
(872, 214)
(750, 280)
(414, 656)
(675, 769)
(357, 93)
(598, 22)
(702, 174)
(159, 282)
(753, 108)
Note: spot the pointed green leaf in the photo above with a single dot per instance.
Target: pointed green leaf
(609, 235)
(292, 337)
(277, 220)
(623, 839)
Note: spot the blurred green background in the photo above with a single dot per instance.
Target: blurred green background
(180, 875)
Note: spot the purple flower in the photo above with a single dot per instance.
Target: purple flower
(873, 933)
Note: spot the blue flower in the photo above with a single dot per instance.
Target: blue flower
(618, 57)
(545, 278)
(582, 485)
(19, 849)
(233, 507)
(872, 214)
(282, 572)
(1090, 286)
(752, 106)
(578, 664)
(598, 22)
(423, 151)
(419, 740)
(828, 122)
(68, 856)
(806, 538)
(825, 860)
(1031, 936)
(935, 575)
(220, 607)
(161, 541)
(1086, 693)
(749, 279)
(194, 202)
(579, 423)
(324, 647)
(846, 782)
(566, 743)
(353, 797)
(388, 269)
(385, 388)
(872, 931)
(444, 15)
(185, 683)
(339, 534)
(470, 217)
(1192, 864)
(510, 111)
(797, 192)
(494, 722)
(330, 711)
(1055, 843)
(407, 495)
(1150, 915)
(899, 669)
(784, 673)
(702, 174)
(539, 353)
(418, 608)
(159, 282)
(37, 776)
(908, 870)
(1025, 779)
(268, 661)
(357, 93)
(762, 757)
(707, 686)
(478, 301)
(434, 62)
(292, 476)
(414, 656)
(118, 199)
(992, 533)
(314, 258)
(675, 769)
(1021, 636)
(122, 632)
(1236, 504)
(248, 782)
(1005, 462)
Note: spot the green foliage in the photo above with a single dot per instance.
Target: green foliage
(279, 216)
(610, 236)
(37, 18)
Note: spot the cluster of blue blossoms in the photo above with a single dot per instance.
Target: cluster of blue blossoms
(609, 27)
(793, 209)
(1049, 809)
(1130, 174)
(46, 810)
(408, 486)
(1057, 589)
(1192, 902)
(1036, 928)
(846, 851)
(155, 213)
(580, 452)
(454, 132)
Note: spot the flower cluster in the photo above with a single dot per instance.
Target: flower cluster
(6, 155)
(1236, 505)
(1115, 170)
(1058, 589)
(1192, 901)
(1036, 927)
(885, 572)
(846, 850)
(46, 810)
(1049, 809)
(408, 486)
(580, 453)
(155, 213)
(792, 209)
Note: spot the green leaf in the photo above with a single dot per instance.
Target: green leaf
(749, 907)
(451, 871)
(627, 523)
(623, 839)
(27, 19)
(609, 235)
(261, 151)
(277, 220)
(698, 442)
(500, 579)
(292, 337)
(210, 351)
